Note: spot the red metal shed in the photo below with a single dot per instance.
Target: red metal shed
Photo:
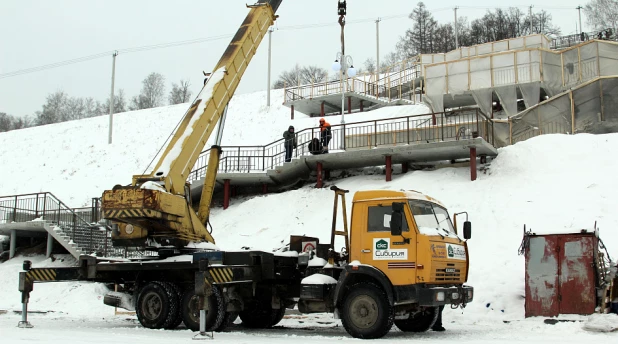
(561, 273)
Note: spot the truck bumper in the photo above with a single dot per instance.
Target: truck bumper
(439, 296)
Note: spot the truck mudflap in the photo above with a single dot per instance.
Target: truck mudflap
(439, 296)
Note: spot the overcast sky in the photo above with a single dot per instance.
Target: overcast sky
(39, 32)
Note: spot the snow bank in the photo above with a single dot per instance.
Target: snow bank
(602, 323)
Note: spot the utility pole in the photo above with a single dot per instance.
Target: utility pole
(377, 49)
(579, 9)
(530, 16)
(270, 36)
(111, 99)
(456, 31)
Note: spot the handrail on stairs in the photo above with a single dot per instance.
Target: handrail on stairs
(45, 206)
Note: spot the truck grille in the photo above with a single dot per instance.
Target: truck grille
(447, 273)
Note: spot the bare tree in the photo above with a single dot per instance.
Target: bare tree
(120, 104)
(313, 74)
(602, 14)
(152, 93)
(6, 122)
(289, 78)
(180, 93)
(53, 109)
(370, 65)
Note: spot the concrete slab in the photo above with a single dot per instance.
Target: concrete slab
(28, 229)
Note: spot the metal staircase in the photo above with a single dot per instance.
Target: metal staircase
(77, 230)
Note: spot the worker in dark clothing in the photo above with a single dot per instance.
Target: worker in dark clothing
(325, 135)
(289, 142)
(437, 326)
(315, 147)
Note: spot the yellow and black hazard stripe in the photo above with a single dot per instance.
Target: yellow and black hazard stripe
(222, 275)
(115, 213)
(41, 275)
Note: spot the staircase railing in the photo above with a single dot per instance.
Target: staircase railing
(90, 237)
(415, 129)
(386, 87)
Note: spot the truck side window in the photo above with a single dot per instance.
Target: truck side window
(378, 219)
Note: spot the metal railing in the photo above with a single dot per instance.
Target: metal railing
(572, 40)
(393, 86)
(408, 130)
(89, 236)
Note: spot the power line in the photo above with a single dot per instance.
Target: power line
(214, 38)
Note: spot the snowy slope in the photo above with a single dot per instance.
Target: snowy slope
(549, 183)
(73, 160)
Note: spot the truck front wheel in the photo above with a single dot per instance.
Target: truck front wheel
(366, 312)
(420, 321)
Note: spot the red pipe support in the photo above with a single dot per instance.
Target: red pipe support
(322, 109)
(226, 193)
(389, 168)
(349, 104)
(473, 163)
(292, 110)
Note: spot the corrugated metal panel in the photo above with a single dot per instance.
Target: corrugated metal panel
(542, 277)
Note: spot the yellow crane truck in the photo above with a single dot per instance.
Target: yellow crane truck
(402, 259)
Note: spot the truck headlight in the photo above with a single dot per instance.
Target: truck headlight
(440, 296)
(470, 294)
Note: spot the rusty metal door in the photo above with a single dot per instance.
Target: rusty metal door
(542, 277)
(577, 280)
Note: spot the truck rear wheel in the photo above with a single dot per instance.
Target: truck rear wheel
(262, 316)
(228, 320)
(419, 322)
(366, 312)
(191, 310)
(157, 305)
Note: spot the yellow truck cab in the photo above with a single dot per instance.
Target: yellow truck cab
(406, 260)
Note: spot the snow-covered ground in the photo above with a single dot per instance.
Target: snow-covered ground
(74, 161)
(550, 183)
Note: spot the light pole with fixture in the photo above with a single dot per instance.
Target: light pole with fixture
(340, 65)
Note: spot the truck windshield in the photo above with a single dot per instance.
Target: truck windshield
(431, 218)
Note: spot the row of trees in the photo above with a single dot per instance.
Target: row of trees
(427, 36)
(60, 107)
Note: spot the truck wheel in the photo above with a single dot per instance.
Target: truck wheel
(191, 310)
(228, 320)
(262, 316)
(178, 318)
(419, 322)
(366, 312)
(278, 315)
(157, 305)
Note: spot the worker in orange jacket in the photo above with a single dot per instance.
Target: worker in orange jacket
(325, 134)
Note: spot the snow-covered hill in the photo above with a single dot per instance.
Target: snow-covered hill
(74, 161)
(549, 183)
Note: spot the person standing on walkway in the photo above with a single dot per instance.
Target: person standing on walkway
(289, 143)
(325, 135)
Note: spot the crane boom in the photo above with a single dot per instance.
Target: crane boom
(164, 212)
